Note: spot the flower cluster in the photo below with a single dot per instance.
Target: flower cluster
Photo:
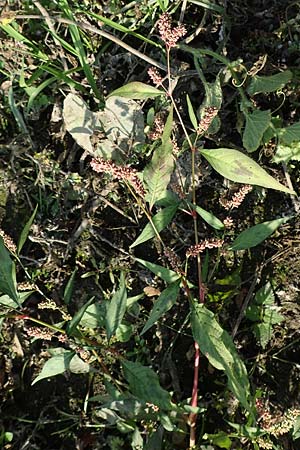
(8, 242)
(237, 198)
(209, 114)
(194, 250)
(178, 190)
(228, 222)
(155, 76)
(40, 333)
(125, 173)
(173, 259)
(158, 128)
(168, 34)
(26, 286)
(276, 424)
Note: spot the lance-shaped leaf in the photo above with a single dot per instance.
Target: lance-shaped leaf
(238, 167)
(157, 173)
(257, 123)
(116, 309)
(160, 221)
(164, 302)
(25, 231)
(257, 234)
(8, 284)
(168, 275)
(72, 325)
(216, 344)
(208, 217)
(144, 384)
(137, 91)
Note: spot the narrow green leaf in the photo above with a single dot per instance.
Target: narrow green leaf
(270, 83)
(191, 112)
(238, 167)
(16, 112)
(169, 276)
(208, 217)
(55, 366)
(160, 221)
(72, 325)
(257, 123)
(216, 344)
(257, 234)
(137, 91)
(166, 136)
(116, 309)
(8, 283)
(68, 292)
(25, 231)
(207, 4)
(144, 384)
(164, 303)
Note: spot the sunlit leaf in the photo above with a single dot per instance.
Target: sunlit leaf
(8, 284)
(257, 234)
(77, 365)
(72, 325)
(208, 217)
(191, 112)
(257, 123)
(238, 167)
(168, 275)
(55, 366)
(271, 83)
(137, 91)
(216, 344)
(160, 221)
(116, 309)
(164, 303)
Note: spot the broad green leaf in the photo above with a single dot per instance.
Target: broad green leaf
(238, 167)
(154, 441)
(72, 325)
(286, 153)
(169, 276)
(8, 284)
(137, 91)
(124, 332)
(164, 303)
(257, 234)
(25, 231)
(160, 221)
(94, 316)
(68, 292)
(208, 217)
(137, 441)
(216, 344)
(256, 124)
(144, 384)
(55, 366)
(270, 83)
(289, 134)
(191, 112)
(157, 173)
(77, 365)
(116, 309)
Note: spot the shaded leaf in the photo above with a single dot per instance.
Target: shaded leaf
(290, 134)
(164, 303)
(116, 309)
(192, 115)
(68, 292)
(160, 221)
(208, 217)
(25, 231)
(144, 384)
(8, 284)
(271, 83)
(55, 366)
(216, 344)
(72, 325)
(257, 234)
(238, 167)
(154, 441)
(168, 275)
(257, 123)
(137, 91)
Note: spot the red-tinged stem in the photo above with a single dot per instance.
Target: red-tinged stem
(194, 402)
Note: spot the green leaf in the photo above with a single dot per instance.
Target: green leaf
(144, 384)
(157, 173)
(208, 217)
(154, 441)
(8, 283)
(289, 134)
(124, 332)
(164, 303)
(216, 344)
(207, 4)
(286, 153)
(25, 231)
(55, 366)
(116, 309)
(257, 234)
(72, 325)
(191, 112)
(94, 316)
(169, 276)
(137, 91)
(68, 292)
(238, 167)
(270, 83)
(257, 123)
(77, 365)
(160, 221)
